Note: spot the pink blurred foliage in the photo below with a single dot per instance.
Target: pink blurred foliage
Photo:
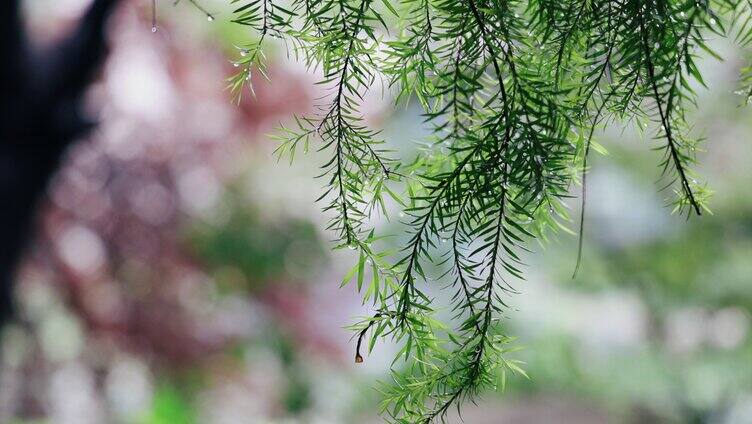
(109, 233)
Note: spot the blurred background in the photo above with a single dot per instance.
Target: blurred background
(179, 274)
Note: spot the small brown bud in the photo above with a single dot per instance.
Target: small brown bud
(358, 358)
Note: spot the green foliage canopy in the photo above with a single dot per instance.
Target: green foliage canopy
(513, 91)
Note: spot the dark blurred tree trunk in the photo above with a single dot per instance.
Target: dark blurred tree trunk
(40, 116)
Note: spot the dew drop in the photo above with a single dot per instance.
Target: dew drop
(244, 52)
(154, 29)
(209, 18)
(236, 64)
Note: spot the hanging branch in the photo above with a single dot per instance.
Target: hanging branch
(665, 118)
(512, 91)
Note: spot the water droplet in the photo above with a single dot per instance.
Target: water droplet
(443, 240)
(236, 64)
(682, 14)
(154, 29)
(209, 18)
(244, 52)
(712, 21)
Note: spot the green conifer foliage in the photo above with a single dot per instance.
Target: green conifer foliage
(513, 91)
